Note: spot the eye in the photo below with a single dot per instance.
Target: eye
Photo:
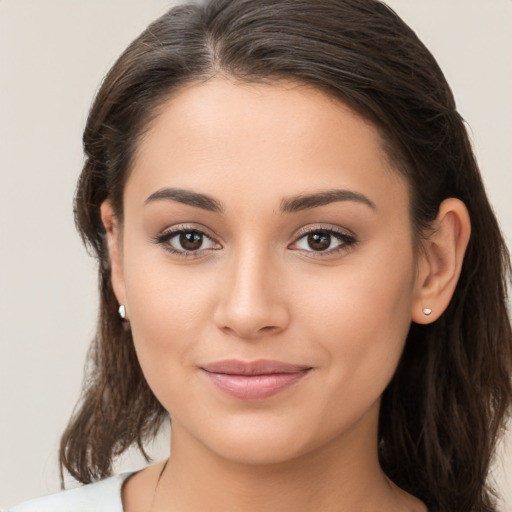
(324, 241)
(185, 241)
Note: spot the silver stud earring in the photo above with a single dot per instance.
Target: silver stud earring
(122, 311)
(427, 311)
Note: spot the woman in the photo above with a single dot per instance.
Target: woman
(298, 264)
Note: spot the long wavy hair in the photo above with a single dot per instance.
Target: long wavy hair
(446, 405)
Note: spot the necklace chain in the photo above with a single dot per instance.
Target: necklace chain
(156, 486)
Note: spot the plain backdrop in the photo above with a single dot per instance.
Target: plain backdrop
(53, 55)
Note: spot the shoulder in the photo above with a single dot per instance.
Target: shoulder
(102, 496)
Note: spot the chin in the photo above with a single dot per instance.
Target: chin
(262, 441)
(260, 451)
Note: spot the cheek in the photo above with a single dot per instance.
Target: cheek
(360, 316)
(161, 292)
(169, 307)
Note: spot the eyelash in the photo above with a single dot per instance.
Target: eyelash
(346, 240)
(165, 237)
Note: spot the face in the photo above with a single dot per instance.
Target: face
(266, 262)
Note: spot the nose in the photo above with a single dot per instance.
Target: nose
(252, 302)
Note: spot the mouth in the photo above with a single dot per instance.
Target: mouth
(254, 380)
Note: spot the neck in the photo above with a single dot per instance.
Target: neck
(343, 474)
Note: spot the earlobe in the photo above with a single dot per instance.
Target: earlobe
(112, 228)
(440, 261)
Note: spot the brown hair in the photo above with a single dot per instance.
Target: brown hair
(446, 404)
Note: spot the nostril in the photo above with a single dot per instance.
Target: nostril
(249, 333)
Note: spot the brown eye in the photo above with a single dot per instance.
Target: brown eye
(191, 240)
(319, 241)
(186, 242)
(324, 242)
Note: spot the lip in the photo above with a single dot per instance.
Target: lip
(253, 380)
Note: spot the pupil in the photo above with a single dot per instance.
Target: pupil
(191, 240)
(319, 241)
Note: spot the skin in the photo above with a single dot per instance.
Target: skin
(257, 290)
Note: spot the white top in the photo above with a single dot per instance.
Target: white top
(102, 496)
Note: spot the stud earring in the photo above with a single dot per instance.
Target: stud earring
(427, 311)
(122, 311)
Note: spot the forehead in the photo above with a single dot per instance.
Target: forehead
(267, 139)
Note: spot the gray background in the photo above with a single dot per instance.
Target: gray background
(53, 54)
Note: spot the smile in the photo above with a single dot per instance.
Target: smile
(255, 380)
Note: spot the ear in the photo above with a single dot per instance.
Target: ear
(440, 262)
(114, 244)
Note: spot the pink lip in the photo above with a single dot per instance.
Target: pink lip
(253, 380)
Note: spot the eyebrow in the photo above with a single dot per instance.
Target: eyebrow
(307, 201)
(187, 197)
(288, 205)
